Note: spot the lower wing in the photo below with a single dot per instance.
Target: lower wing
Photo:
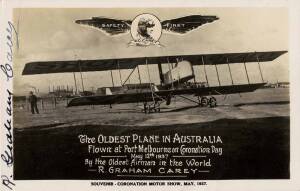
(162, 94)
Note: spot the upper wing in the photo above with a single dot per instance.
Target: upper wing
(108, 26)
(188, 23)
(129, 63)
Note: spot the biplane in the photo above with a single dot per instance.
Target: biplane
(177, 81)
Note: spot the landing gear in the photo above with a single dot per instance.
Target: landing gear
(204, 101)
(151, 108)
(208, 101)
(212, 102)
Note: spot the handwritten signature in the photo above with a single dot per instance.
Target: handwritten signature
(7, 69)
(7, 156)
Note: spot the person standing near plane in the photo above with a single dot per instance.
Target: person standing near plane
(33, 102)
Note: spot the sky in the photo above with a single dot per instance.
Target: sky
(51, 34)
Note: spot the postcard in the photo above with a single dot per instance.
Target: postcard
(142, 96)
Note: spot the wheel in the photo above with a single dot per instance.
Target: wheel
(199, 101)
(204, 101)
(152, 109)
(145, 108)
(157, 107)
(156, 110)
(168, 102)
(212, 102)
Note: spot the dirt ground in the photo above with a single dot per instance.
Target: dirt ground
(261, 103)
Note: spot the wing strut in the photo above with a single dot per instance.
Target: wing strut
(262, 79)
(112, 78)
(148, 71)
(204, 70)
(128, 76)
(246, 72)
(229, 71)
(81, 76)
(218, 74)
(150, 84)
(139, 74)
(119, 72)
(75, 83)
(170, 72)
(161, 76)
